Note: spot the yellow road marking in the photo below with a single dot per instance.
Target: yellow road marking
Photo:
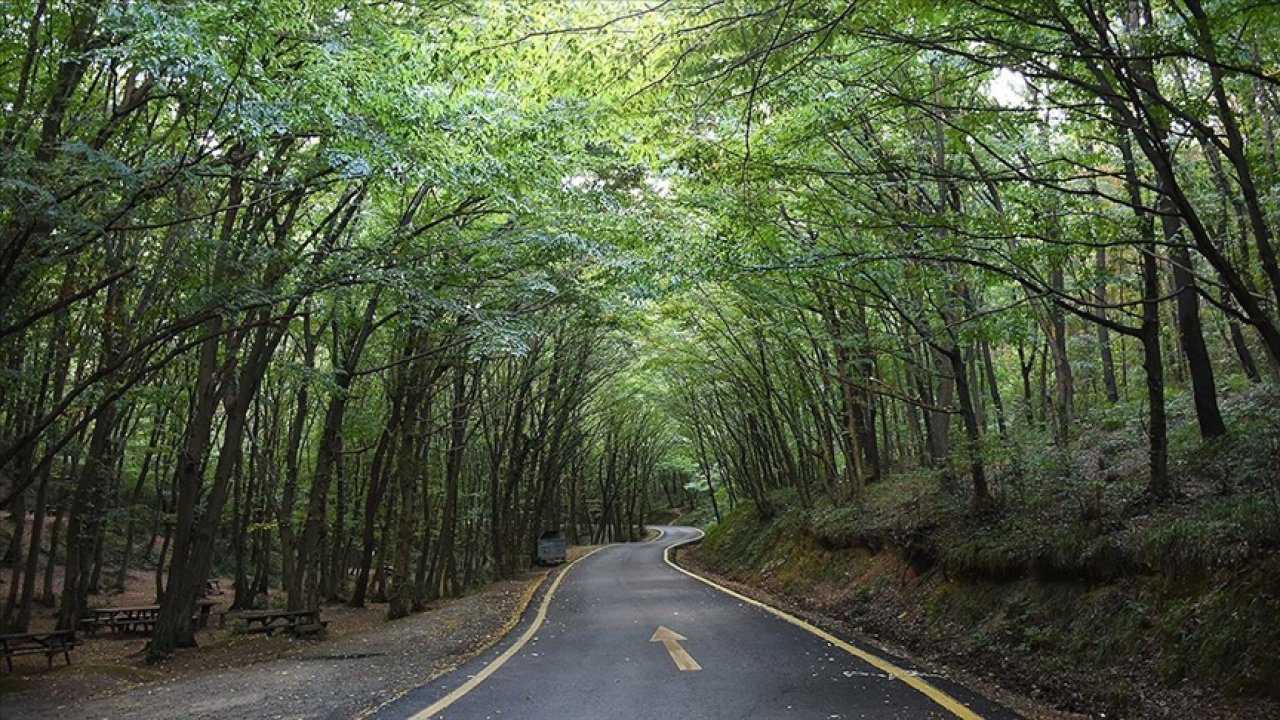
(671, 641)
(491, 668)
(955, 707)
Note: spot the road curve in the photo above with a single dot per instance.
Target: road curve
(594, 650)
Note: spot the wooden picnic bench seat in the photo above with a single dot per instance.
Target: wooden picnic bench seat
(294, 621)
(47, 644)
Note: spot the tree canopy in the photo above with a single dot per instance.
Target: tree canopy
(354, 300)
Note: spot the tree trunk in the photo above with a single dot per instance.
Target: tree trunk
(23, 620)
(1104, 333)
(1064, 382)
(47, 597)
(1190, 333)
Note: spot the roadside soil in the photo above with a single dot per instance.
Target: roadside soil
(893, 626)
(360, 662)
(972, 678)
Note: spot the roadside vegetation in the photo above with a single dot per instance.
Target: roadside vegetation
(1078, 592)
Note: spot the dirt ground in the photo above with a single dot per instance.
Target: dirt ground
(892, 630)
(358, 663)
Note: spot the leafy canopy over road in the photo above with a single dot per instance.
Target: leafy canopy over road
(355, 300)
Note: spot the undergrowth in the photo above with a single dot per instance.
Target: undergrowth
(1076, 569)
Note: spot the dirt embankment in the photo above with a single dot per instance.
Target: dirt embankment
(1134, 645)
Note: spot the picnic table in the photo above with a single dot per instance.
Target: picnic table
(294, 621)
(137, 618)
(141, 618)
(47, 644)
(204, 606)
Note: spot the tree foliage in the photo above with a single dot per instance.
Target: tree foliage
(352, 301)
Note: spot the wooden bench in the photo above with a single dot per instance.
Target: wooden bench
(294, 621)
(47, 644)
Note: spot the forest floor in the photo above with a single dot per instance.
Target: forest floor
(360, 662)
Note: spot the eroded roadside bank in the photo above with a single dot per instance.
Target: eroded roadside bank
(1090, 648)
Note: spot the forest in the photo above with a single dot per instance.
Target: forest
(350, 301)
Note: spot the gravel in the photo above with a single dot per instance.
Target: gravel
(340, 677)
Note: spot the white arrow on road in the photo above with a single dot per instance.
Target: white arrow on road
(671, 641)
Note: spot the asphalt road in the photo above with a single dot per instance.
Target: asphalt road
(595, 656)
